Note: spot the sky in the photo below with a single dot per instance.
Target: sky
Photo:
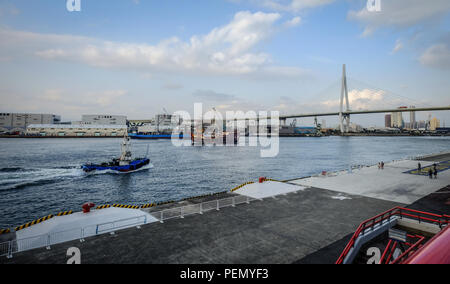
(139, 57)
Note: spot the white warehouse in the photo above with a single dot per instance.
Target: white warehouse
(18, 122)
(104, 119)
(76, 130)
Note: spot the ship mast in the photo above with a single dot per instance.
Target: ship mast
(125, 157)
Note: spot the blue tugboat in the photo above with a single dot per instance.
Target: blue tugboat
(123, 164)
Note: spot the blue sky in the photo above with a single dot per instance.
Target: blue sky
(137, 57)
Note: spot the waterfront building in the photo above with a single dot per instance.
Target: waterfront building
(397, 120)
(387, 121)
(434, 124)
(412, 119)
(355, 127)
(104, 119)
(162, 123)
(422, 124)
(76, 130)
(18, 122)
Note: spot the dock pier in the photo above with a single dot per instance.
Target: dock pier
(310, 222)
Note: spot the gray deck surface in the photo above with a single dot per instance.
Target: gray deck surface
(280, 230)
(285, 229)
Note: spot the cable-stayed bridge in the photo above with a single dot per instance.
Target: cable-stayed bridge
(345, 111)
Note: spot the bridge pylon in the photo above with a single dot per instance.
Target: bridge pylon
(344, 117)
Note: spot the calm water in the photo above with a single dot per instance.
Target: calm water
(42, 176)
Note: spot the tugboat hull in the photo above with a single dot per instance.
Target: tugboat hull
(134, 165)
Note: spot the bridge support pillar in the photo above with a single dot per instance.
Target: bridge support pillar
(344, 121)
(344, 116)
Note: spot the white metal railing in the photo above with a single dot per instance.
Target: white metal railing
(47, 240)
(200, 208)
(4, 248)
(120, 224)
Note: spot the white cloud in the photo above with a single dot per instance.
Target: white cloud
(399, 14)
(53, 95)
(294, 5)
(7, 9)
(437, 56)
(293, 22)
(398, 46)
(209, 95)
(360, 100)
(105, 98)
(69, 103)
(91, 98)
(172, 86)
(224, 50)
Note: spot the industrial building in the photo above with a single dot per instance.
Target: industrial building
(18, 122)
(73, 130)
(103, 119)
(162, 123)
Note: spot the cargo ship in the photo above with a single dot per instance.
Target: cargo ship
(155, 136)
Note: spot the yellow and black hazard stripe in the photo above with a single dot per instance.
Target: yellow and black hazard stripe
(4, 231)
(242, 185)
(148, 205)
(27, 225)
(64, 213)
(126, 206)
(102, 207)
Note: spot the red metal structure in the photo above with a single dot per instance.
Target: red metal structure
(435, 251)
(441, 220)
(87, 207)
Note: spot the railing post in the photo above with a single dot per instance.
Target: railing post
(48, 242)
(10, 253)
(82, 235)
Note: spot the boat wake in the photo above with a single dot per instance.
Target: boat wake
(10, 170)
(18, 178)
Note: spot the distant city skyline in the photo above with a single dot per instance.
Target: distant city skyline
(136, 58)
